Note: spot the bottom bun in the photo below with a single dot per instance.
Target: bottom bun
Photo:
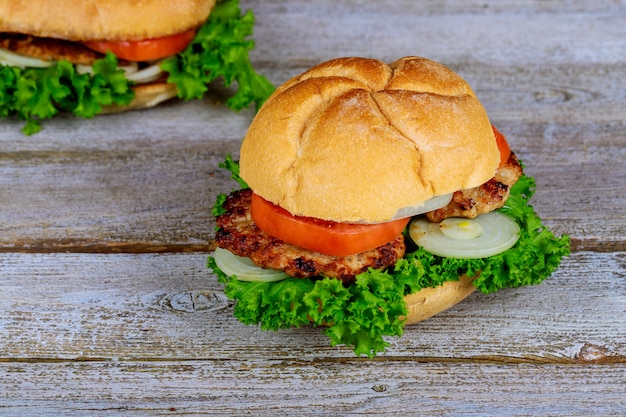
(431, 301)
(146, 95)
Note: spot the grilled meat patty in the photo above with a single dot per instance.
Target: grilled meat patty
(238, 234)
(48, 49)
(484, 198)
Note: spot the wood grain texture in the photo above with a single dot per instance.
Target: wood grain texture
(157, 191)
(352, 388)
(144, 333)
(107, 307)
(153, 185)
(169, 306)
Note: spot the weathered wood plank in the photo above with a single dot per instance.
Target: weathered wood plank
(511, 33)
(301, 388)
(149, 307)
(154, 192)
(150, 187)
(120, 184)
(119, 333)
(151, 176)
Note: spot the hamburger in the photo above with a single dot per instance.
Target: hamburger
(374, 196)
(108, 56)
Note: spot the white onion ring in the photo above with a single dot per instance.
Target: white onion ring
(147, 74)
(431, 204)
(16, 60)
(494, 233)
(132, 71)
(243, 269)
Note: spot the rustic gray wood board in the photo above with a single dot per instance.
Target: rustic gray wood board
(107, 307)
(169, 306)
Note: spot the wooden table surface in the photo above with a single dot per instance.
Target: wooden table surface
(107, 307)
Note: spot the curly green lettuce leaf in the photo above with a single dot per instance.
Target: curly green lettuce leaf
(35, 94)
(357, 315)
(220, 49)
(233, 168)
(361, 315)
(536, 255)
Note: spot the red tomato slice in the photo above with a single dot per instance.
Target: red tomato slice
(503, 146)
(327, 237)
(145, 50)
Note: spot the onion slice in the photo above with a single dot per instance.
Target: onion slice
(146, 75)
(132, 71)
(244, 269)
(128, 68)
(431, 204)
(16, 60)
(487, 235)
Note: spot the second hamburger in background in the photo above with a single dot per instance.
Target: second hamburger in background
(111, 56)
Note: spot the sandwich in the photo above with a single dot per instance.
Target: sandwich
(371, 197)
(108, 56)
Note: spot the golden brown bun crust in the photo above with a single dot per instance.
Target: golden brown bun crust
(102, 19)
(146, 96)
(431, 301)
(355, 139)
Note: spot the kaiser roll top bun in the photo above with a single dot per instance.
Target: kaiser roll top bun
(355, 139)
(112, 20)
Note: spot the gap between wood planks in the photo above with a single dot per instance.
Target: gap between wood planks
(77, 246)
(589, 354)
